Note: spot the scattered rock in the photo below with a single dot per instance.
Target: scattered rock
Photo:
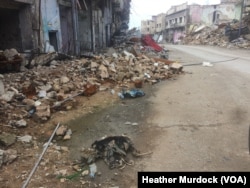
(8, 156)
(8, 96)
(1, 88)
(7, 139)
(85, 173)
(67, 135)
(25, 139)
(20, 123)
(64, 80)
(61, 130)
(43, 112)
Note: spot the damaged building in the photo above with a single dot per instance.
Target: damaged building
(184, 18)
(19, 24)
(65, 26)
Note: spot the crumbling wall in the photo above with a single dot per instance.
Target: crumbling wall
(67, 29)
(215, 14)
(195, 12)
(85, 29)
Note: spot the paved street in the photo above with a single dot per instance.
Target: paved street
(201, 120)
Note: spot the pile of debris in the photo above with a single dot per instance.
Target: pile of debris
(38, 92)
(224, 35)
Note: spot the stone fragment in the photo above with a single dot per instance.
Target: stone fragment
(7, 139)
(2, 91)
(8, 96)
(42, 113)
(103, 71)
(176, 67)
(46, 87)
(85, 173)
(61, 130)
(7, 156)
(68, 135)
(21, 123)
(25, 139)
(64, 80)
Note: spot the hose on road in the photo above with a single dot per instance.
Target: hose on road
(193, 64)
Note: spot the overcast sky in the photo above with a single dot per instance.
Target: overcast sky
(145, 9)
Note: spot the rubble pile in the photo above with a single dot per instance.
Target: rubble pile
(38, 92)
(223, 35)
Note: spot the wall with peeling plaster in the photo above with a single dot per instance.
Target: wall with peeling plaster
(50, 22)
(103, 26)
(195, 12)
(226, 12)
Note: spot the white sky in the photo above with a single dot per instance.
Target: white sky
(145, 9)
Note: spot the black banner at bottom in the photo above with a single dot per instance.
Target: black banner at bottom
(193, 179)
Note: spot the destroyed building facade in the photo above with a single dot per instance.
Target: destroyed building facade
(153, 26)
(19, 24)
(180, 19)
(66, 26)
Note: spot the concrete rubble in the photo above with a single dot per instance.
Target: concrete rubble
(39, 92)
(229, 34)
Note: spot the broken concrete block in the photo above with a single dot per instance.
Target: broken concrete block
(64, 80)
(61, 130)
(8, 156)
(7, 139)
(1, 88)
(25, 139)
(52, 94)
(42, 94)
(46, 87)
(94, 65)
(56, 87)
(8, 96)
(176, 66)
(20, 123)
(103, 71)
(42, 113)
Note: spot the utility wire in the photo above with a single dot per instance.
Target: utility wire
(193, 64)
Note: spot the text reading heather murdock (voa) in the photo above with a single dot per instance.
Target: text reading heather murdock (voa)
(194, 179)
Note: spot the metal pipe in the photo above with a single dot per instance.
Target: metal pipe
(41, 156)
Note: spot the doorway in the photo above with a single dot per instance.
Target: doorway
(53, 39)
